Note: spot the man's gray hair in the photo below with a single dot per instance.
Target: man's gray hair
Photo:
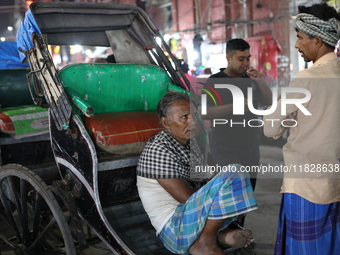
(169, 99)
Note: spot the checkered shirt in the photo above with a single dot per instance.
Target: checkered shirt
(164, 158)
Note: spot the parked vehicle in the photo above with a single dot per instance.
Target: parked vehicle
(100, 115)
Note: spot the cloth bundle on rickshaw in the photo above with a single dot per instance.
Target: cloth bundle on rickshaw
(19, 117)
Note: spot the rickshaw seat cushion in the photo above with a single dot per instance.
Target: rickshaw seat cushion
(116, 87)
(6, 124)
(122, 132)
(24, 120)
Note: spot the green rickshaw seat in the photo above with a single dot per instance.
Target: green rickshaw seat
(117, 102)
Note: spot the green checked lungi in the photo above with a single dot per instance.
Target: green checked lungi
(226, 196)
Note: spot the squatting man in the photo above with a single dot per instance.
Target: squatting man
(189, 219)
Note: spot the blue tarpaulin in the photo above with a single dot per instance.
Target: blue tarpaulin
(27, 28)
(9, 56)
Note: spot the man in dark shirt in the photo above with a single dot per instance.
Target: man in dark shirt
(236, 140)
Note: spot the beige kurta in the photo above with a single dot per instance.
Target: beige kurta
(312, 151)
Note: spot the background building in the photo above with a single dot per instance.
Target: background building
(197, 30)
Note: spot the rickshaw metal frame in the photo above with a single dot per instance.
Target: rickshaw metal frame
(63, 24)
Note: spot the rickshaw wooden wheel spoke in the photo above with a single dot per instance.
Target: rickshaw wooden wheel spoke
(23, 194)
(37, 223)
(43, 233)
(8, 242)
(14, 191)
(36, 216)
(9, 215)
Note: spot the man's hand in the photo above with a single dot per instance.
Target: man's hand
(283, 129)
(253, 73)
(293, 116)
(179, 189)
(264, 88)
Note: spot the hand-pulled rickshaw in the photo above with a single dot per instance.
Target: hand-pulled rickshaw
(68, 165)
(99, 116)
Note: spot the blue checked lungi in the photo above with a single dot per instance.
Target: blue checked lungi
(306, 228)
(226, 196)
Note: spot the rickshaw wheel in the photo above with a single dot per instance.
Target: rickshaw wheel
(36, 224)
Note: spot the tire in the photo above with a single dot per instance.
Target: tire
(35, 222)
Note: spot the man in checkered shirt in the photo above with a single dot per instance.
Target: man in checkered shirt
(187, 218)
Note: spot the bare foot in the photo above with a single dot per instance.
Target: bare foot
(205, 249)
(237, 238)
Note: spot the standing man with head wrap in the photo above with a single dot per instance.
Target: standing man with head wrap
(309, 221)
